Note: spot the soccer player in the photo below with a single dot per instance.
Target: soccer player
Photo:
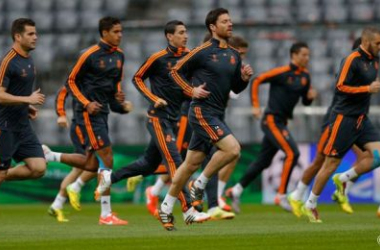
(295, 197)
(94, 82)
(165, 99)
(348, 122)
(215, 69)
(288, 84)
(17, 138)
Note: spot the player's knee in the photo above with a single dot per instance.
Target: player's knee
(38, 169)
(235, 151)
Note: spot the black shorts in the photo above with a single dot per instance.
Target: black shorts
(77, 138)
(345, 131)
(18, 145)
(95, 130)
(207, 129)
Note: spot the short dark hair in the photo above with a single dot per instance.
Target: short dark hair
(297, 46)
(106, 24)
(369, 31)
(171, 25)
(18, 26)
(213, 15)
(356, 43)
(238, 42)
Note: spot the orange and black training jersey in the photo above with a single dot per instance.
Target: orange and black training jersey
(157, 68)
(357, 72)
(17, 74)
(287, 85)
(97, 75)
(217, 66)
(60, 104)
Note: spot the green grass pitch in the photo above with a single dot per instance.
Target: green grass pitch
(257, 227)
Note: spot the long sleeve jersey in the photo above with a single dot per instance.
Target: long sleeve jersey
(287, 85)
(156, 68)
(17, 74)
(217, 66)
(96, 76)
(356, 73)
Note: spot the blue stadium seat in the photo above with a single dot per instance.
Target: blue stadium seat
(362, 12)
(309, 13)
(90, 19)
(91, 5)
(256, 14)
(116, 8)
(335, 13)
(44, 20)
(19, 5)
(69, 5)
(65, 19)
(41, 5)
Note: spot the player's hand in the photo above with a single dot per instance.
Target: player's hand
(200, 91)
(246, 72)
(127, 106)
(256, 112)
(160, 103)
(32, 112)
(311, 94)
(36, 98)
(62, 122)
(93, 108)
(120, 97)
(374, 87)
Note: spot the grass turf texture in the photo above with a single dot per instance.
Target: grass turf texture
(257, 227)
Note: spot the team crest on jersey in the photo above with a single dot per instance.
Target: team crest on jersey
(303, 81)
(23, 73)
(232, 60)
(365, 66)
(100, 141)
(118, 64)
(334, 152)
(102, 64)
(168, 138)
(169, 66)
(214, 58)
(220, 132)
(290, 80)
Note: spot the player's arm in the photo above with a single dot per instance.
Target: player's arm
(309, 95)
(80, 68)
(147, 69)
(185, 67)
(265, 77)
(242, 76)
(36, 98)
(346, 75)
(60, 109)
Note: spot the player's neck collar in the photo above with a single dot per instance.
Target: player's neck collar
(107, 46)
(219, 43)
(20, 52)
(177, 51)
(365, 52)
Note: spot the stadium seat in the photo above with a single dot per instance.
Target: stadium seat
(256, 14)
(308, 13)
(318, 48)
(254, 3)
(19, 5)
(116, 8)
(44, 54)
(229, 4)
(361, 12)
(262, 47)
(69, 5)
(90, 19)
(335, 13)
(180, 14)
(66, 20)
(91, 5)
(44, 20)
(13, 15)
(280, 14)
(41, 5)
(133, 50)
(67, 44)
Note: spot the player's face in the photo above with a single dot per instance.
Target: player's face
(179, 38)
(223, 26)
(28, 38)
(114, 35)
(302, 57)
(374, 45)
